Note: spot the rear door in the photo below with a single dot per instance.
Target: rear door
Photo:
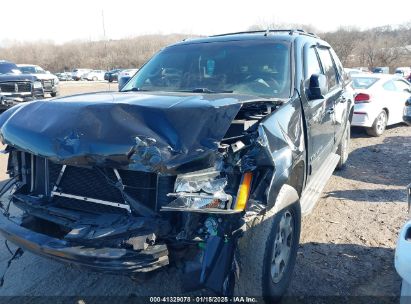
(336, 102)
(320, 112)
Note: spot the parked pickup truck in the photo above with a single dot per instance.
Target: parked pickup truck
(17, 87)
(210, 155)
(49, 81)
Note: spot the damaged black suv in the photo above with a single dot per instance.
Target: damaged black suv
(208, 156)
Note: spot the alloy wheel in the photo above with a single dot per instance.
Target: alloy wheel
(282, 247)
(381, 122)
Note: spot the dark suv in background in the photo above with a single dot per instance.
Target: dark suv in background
(112, 75)
(17, 87)
(209, 156)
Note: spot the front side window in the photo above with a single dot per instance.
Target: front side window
(312, 65)
(328, 67)
(260, 68)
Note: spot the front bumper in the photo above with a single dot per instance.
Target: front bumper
(107, 260)
(25, 96)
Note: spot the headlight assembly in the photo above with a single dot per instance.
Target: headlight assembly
(203, 191)
(37, 85)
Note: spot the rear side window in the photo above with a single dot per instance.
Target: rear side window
(338, 64)
(328, 67)
(312, 66)
(389, 86)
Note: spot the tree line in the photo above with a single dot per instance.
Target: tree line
(382, 46)
(388, 46)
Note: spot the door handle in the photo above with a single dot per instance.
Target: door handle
(330, 111)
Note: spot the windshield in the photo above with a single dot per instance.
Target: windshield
(7, 68)
(363, 82)
(259, 68)
(31, 70)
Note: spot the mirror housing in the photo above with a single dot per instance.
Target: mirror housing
(122, 82)
(318, 87)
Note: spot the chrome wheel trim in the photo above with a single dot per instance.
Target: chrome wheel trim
(381, 122)
(282, 247)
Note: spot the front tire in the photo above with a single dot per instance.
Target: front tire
(379, 125)
(267, 252)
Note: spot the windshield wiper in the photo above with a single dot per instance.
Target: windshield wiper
(135, 90)
(206, 90)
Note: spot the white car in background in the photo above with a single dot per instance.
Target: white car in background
(127, 73)
(78, 74)
(403, 71)
(352, 71)
(379, 101)
(95, 75)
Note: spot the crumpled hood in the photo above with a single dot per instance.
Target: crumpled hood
(136, 131)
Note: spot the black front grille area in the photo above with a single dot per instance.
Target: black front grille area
(15, 87)
(92, 183)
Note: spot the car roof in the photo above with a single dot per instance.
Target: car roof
(25, 64)
(275, 35)
(375, 75)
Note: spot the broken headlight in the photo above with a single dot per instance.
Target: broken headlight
(201, 190)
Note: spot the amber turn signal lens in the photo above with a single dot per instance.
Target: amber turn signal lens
(243, 191)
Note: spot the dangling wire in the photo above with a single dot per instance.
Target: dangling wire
(8, 248)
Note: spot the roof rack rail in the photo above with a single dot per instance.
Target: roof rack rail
(265, 32)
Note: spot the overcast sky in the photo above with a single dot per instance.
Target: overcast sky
(65, 20)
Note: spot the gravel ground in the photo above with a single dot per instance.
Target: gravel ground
(347, 242)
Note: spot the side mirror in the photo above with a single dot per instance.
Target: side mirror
(318, 86)
(48, 72)
(122, 82)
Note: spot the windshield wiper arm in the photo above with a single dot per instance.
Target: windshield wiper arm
(206, 90)
(135, 90)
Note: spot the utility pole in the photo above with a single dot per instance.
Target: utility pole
(105, 44)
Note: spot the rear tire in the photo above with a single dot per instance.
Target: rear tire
(344, 147)
(267, 252)
(379, 125)
(53, 94)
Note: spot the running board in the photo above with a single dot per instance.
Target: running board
(313, 190)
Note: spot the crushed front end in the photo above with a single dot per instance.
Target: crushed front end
(89, 216)
(148, 196)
